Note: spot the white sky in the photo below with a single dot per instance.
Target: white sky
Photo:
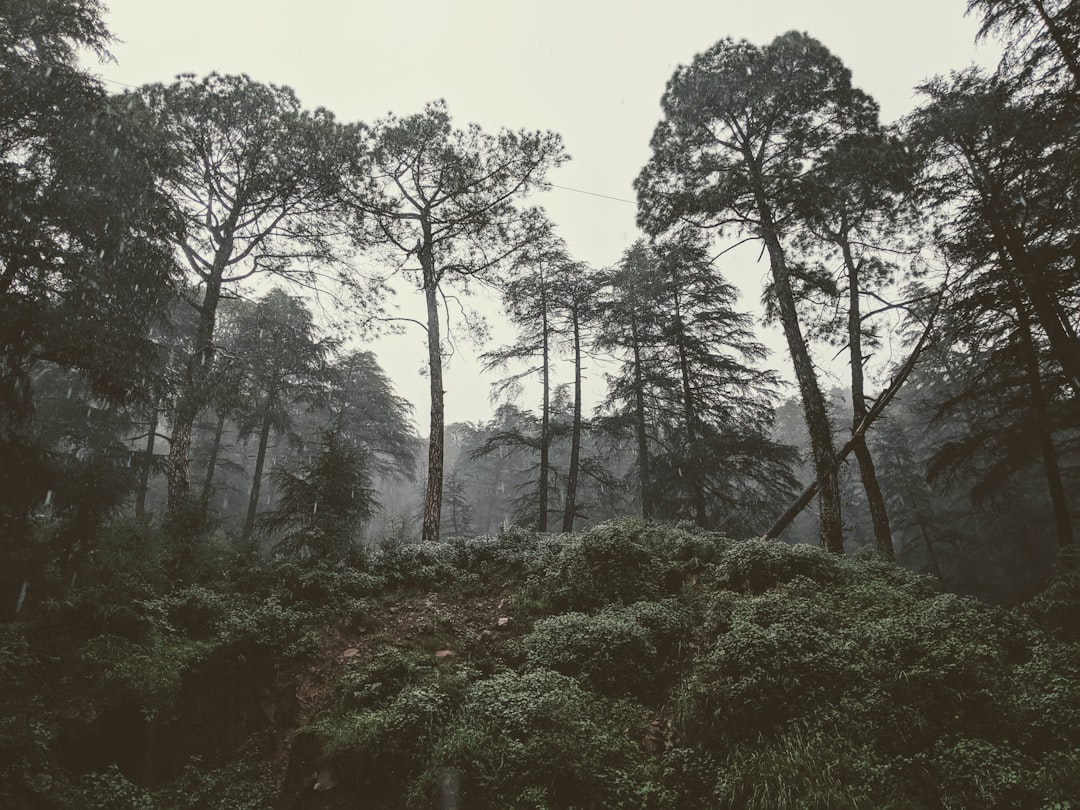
(591, 70)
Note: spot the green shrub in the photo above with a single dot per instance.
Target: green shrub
(494, 560)
(755, 566)
(386, 717)
(419, 566)
(610, 563)
(110, 790)
(619, 651)
(380, 748)
(540, 740)
(608, 651)
(246, 782)
(149, 676)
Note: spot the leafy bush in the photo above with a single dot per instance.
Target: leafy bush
(755, 566)
(148, 676)
(386, 717)
(540, 740)
(420, 566)
(843, 676)
(618, 651)
(494, 560)
(611, 563)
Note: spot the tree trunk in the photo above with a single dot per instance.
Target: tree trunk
(817, 419)
(690, 415)
(1013, 250)
(575, 436)
(433, 494)
(1041, 422)
(211, 466)
(256, 478)
(879, 514)
(545, 411)
(193, 392)
(148, 462)
(1054, 30)
(931, 552)
(640, 426)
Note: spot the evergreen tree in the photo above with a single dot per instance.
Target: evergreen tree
(742, 127)
(446, 198)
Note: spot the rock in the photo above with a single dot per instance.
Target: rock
(325, 780)
(503, 622)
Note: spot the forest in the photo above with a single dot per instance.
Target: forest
(237, 571)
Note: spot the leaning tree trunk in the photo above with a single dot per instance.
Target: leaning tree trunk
(256, 478)
(1041, 420)
(570, 510)
(817, 418)
(879, 514)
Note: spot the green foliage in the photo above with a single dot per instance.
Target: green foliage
(816, 692)
(148, 675)
(413, 566)
(803, 769)
(111, 790)
(493, 560)
(617, 562)
(540, 740)
(246, 782)
(386, 716)
(620, 651)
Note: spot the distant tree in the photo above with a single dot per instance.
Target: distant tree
(364, 409)
(457, 511)
(708, 410)
(282, 361)
(256, 183)
(742, 127)
(446, 199)
(324, 502)
(627, 328)
(529, 299)
(548, 299)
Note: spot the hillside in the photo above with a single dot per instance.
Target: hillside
(636, 665)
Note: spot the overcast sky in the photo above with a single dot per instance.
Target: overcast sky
(591, 70)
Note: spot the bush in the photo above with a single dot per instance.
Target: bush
(618, 651)
(386, 717)
(755, 566)
(419, 566)
(494, 560)
(611, 563)
(540, 740)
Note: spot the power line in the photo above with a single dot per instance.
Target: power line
(593, 194)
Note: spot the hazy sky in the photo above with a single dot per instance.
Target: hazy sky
(591, 70)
